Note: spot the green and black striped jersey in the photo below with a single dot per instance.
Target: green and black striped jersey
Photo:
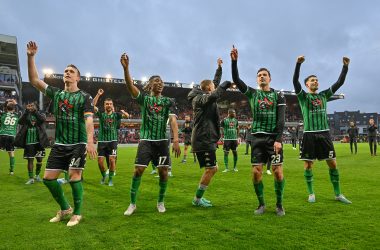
(8, 123)
(108, 126)
(70, 111)
(32, 132)
(155, 113)
(230, 126)
(264, 107)
(313, 107)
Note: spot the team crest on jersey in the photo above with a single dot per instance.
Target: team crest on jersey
(155, 108)
(317, 102)
(65, 106)
(265, 104)
(232, 124)
(109, 122)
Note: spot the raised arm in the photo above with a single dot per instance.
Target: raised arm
(296, 83)
(32, 69)
(218, 73)
(174, 126)
(205, 99)
(124, 114)
(132, 89)
(96, 98)
(342, 76)
(235, 73)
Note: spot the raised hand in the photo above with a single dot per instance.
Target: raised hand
(346, 61)
(220, 62)
(300, 59)
(31, 48)
(100, 91)
(124, 60)
(234, 53)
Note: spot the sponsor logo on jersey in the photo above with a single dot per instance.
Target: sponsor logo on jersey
(155, 108)
(265, 104)
(316, 103)
(65, 106)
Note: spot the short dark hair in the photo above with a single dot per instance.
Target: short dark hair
(108, 99)
(205, 83)
(307, 78)
(75, 67)
(263, 69)
(10, 106)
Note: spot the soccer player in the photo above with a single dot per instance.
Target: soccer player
(353, 133)
(300, 129)
(8, 129)
(73, 111)
(108, 136)
(229, 127)
(187, 129)
(248, 138)
(316, 142)
(293, 137)
(372, 136)
(206, 130)
(33, 138)
(268, 113)
(153, 142)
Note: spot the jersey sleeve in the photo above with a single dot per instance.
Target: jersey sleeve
(301, 95)
(119, 116)
(173, 110)
(250, 92)
(327, 93)
(88, 106)
(50, 91)
(140, 98)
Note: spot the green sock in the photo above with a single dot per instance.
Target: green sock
(67, 177)
(184, 157)
(30, 174)
(11, 163)
(57, 192)
(200, 191)
(163, 185)
(259, 189)
(235, 158)
(110, 175)
(38, 168)
(226, 160)
(334, 177)
(103, 173)
(77, 189)
(134, 187)
(309, 180)
(279, 190)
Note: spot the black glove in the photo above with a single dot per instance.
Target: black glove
(225, 85)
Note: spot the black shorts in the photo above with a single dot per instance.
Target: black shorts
(107, 149)
(187, 140)
(206, 159)
(317, 146)
(230, 145)
(262, 150)
(7, 142)
(155, 151)
(67, 157)
(34, 151)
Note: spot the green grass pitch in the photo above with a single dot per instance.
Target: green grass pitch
(25, 210)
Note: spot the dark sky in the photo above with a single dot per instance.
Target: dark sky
(181, 40)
